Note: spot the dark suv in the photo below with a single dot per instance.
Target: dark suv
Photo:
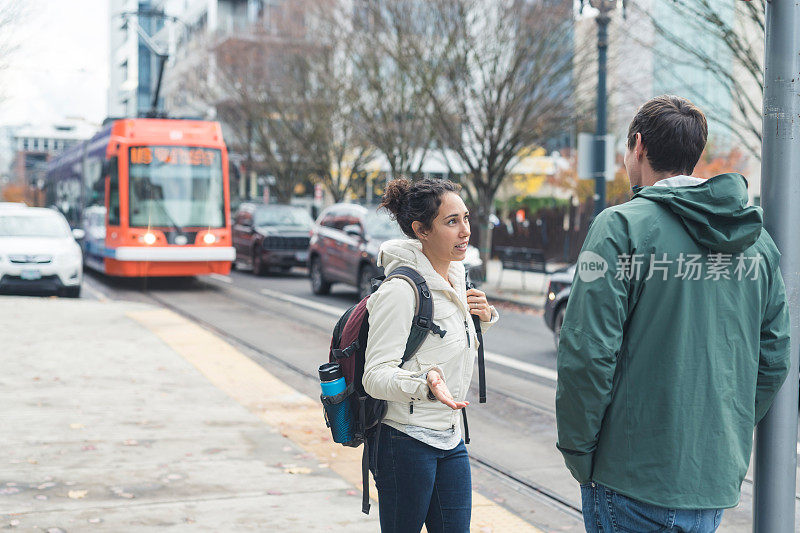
(270, 235)
(344, 246)
(345, 243)
(556, 303)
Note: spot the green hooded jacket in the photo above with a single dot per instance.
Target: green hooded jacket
(674, 343)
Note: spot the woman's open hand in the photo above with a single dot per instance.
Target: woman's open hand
(439, 389)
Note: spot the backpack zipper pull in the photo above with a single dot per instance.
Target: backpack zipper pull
(411, 408)
(466, 329)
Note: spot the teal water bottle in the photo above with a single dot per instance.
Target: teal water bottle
(339, 414)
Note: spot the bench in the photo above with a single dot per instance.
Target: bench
(521, 259)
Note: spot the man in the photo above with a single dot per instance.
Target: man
(675, 339)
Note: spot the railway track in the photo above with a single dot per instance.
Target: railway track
(507, 476)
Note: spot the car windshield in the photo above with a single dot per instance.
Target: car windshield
(380, 226)
(176, 186)
(32, 226)
(283, 216)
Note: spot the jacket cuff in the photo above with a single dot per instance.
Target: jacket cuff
(579, 464)
(495, 317)
(430, 396)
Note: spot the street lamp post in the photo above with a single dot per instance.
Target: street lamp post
(603, 19)
(604, 9)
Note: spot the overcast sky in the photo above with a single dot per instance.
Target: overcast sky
(60, 66)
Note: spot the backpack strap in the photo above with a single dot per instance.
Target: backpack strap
(364, 458)
(422, 324)
(466, 425)
(481, 364)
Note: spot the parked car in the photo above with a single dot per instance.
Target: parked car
(344, 247)
(555, 304)
(271, 236)
(38, 252)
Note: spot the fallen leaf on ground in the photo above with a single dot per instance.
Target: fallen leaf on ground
(77, 494)
(76, 425)
(297, 470)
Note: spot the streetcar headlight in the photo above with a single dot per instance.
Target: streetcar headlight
(209, 238)
(149, 238)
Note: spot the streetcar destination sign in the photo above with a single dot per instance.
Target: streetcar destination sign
(173, 155)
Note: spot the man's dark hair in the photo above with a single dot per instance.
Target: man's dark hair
(674, 131)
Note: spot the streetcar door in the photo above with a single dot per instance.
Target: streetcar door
(112, 193)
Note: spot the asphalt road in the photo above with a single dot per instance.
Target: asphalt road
(278, 322)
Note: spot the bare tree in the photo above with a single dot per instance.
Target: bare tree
(498, 79)
(11, 12)
(286, 102)
(392, 104)
(732, 50)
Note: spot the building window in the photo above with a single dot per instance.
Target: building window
(25, 144)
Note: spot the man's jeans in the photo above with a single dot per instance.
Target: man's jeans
(607, 511)
(420, 484)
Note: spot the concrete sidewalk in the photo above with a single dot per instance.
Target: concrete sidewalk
(125, 417)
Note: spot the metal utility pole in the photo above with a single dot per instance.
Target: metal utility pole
(603, 19)
(604, 9)
(776, 435)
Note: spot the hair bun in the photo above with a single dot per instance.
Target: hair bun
(396, 194)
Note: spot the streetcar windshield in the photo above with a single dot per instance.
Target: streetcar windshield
(176, 186)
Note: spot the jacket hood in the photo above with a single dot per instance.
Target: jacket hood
(408, 252)
(714, 212)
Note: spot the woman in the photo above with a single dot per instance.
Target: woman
(420, 464)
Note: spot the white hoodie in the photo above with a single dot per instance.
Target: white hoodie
(391, 310)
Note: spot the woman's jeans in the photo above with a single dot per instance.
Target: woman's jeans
(607, 511)
(418, 484)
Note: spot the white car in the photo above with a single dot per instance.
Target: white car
(38, 252)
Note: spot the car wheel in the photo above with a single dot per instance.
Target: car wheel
(258, 264)
(365, 276)
(557, 324)
(72, 292)
(319, 285)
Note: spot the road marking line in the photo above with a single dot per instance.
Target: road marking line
(220, 277)
(516, 364)
(96, 293)
(324, 308)
(492, 357)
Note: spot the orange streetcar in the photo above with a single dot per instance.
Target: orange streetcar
(152, 196)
